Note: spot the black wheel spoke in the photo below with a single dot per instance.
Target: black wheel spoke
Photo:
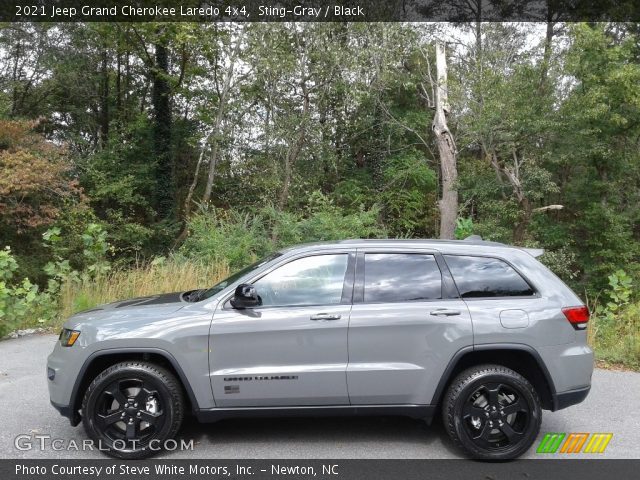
(110, 418)
(470, 410)
(142, 395)
(492, 395)
(150, 418)
(115, 391)
(485, 434)
(515, 407)
(132, 431)
(510, 433)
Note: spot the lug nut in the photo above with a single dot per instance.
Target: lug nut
(135, 405)
(139, 415)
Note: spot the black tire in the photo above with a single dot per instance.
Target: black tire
(126, 431)
(492, 412)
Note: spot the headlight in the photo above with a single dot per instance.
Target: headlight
(68, 337)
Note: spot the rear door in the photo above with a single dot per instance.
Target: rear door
(504, 305)
(406, 323)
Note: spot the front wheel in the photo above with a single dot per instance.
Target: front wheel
(492, 412)
(132, 408)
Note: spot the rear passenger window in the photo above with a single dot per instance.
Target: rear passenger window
(480, 277)
(401, 277)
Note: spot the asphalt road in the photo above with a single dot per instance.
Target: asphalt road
(612, 406)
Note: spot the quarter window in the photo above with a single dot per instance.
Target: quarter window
(401, 277)
(316, 280)
(480, 277)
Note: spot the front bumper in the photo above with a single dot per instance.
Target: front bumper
(63, 367)
(68, 412)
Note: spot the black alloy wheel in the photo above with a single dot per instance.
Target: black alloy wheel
(492, 412)
(132, 408)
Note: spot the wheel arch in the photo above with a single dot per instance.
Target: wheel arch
(520, 358)
(102, 359)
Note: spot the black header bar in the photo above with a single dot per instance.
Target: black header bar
(319, 11)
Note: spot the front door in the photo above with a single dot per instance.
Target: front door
(292, 349)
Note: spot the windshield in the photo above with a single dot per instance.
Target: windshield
(236, 276)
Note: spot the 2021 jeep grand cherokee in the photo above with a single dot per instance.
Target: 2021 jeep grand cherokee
(481, 331)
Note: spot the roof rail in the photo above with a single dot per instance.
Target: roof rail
(534, 252)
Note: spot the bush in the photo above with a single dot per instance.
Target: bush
(21, 303)
(218, 236)
(226, 236)
(614, 331)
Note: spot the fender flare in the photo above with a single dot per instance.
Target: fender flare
(447, 374)
(75, 393)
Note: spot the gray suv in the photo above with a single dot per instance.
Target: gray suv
(477, 331)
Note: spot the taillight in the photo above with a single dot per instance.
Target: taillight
(577, 316)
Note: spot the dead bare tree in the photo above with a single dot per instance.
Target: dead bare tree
(448, 203)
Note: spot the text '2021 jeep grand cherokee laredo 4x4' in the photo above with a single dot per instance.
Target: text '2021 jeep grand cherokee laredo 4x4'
(481, 331)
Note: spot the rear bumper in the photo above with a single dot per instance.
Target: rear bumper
(572, 397)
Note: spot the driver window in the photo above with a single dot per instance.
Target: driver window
(316, 280)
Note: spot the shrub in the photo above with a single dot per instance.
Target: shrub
(240, 238)
(614, 331)
(21, 303)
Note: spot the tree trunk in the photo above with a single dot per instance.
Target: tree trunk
(294, 150)
(192, 188)
(222, 105)
(546, 56)
(448, 204)
(161, 98)
(14, 81)
(104, 99)
(520, 229)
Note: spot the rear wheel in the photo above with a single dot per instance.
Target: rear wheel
(132, 408)
(492, 412)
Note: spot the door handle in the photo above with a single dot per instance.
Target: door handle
(326, 316)
(444, 312)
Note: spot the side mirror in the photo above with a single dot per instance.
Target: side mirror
(245, 296)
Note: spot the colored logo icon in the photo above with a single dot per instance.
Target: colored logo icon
(574, 443)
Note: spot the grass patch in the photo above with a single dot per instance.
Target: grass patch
(145, 280)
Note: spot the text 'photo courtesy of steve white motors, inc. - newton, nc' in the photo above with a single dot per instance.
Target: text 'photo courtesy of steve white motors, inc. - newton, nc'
(209, 12)
(192, 469)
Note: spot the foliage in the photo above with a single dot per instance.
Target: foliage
(238, 239)
(464, 228)
(615, 327)
(217, 236)
(162, 275)
(408, 194)
(20, 301)
(23, 303)
(36, 182)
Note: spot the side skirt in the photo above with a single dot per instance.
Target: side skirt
(424, 412)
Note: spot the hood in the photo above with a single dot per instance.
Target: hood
(166, 303)
(159, 300)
